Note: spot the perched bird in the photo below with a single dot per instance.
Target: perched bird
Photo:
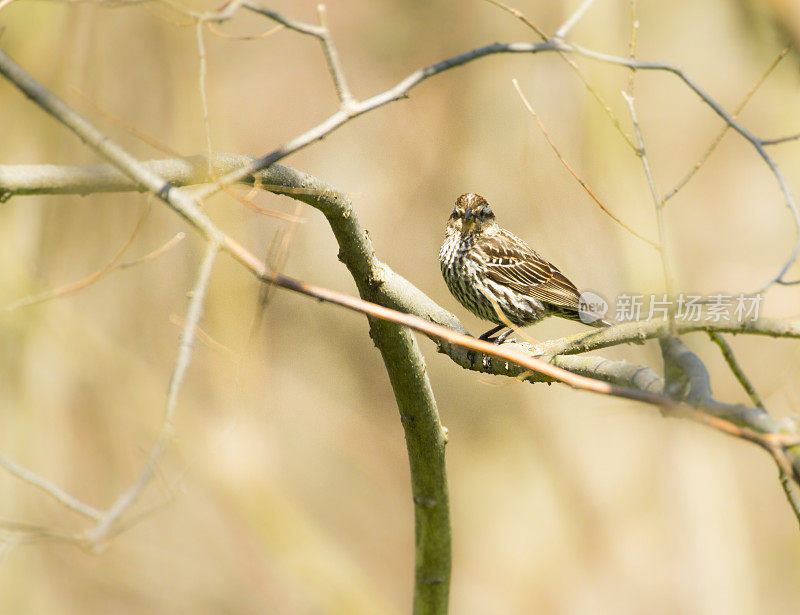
(488, 269)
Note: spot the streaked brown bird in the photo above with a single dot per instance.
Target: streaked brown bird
(488, 269)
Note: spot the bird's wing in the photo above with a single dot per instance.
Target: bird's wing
(511, 262)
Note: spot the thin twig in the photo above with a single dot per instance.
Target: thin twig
(574, 19)
(637, 332)
(112, 265)
(574, 174)
(737, 370)
(663, 248)
(220, 15)
(204, 337)
(99, 532)
(521, 16)
(244, 37)
(225, 12)
(201, 53)
(180, 236)
(632, 45)
(247, 201)
(789, 490)
(774, 444)
(29, 532)
(117, 121)
(576, 69)
(334, 64)
(780, 140)
(73, 287)
(276, 261)
(323, 34)
(293, 24)
(51, 489)
(701, 161)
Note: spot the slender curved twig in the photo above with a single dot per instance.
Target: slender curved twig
(730, 359)
(572, 172)
(98, 534)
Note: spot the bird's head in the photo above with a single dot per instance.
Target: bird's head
(471, 214)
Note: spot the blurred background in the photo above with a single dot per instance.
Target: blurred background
(286, 489)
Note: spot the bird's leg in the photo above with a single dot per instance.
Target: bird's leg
(486, 337)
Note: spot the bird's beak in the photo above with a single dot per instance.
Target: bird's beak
(470, 221)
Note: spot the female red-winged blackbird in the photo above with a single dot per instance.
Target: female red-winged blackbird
(488, 269)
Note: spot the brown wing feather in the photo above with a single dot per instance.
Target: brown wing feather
(511, 262)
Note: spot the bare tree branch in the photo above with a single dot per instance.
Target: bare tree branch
(574, 66)
(203, 69)
(383, 293)
(780, 140)
(790, 492)
(639, 331)
(755, 141)
(556, 44)
(321, 32)
(737, 370)
(98, 534)
(184, 205)
(658, 204)
(358, 108)
(701, 161)
(572, 172)
(51, 489)
(513, 360)
(73, 287)
(573, 19)
(52, 179)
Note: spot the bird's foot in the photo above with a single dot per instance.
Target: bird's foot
(487, 337)
(503, 337)
(498, 339)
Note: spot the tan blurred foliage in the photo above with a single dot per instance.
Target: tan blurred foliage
(287, 487)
